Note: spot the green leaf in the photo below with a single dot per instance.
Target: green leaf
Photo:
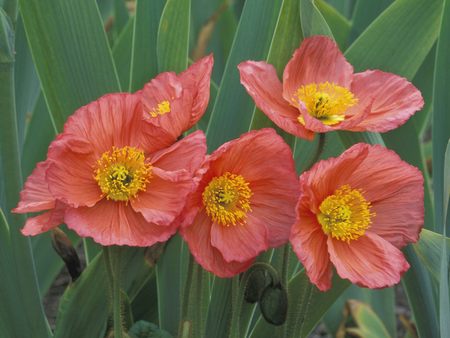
(122, 54)
(71, 53)
(143, 329)
(173, 36)
(233, 107)
(23, 315)
(90, 295)
(369, 325)
(364, 13)
(219, 312)
(429, 251)
(313, 22)
(286, 39)
(26, 82)
(381, 301)
(441, 118)
(144, 65)
(338, 24)
(307, 305)
(397, 43)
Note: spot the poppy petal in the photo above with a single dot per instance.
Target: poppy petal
(261, 82)
(369, 261)
(318, 60)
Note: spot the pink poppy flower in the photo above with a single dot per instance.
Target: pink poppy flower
(355, 212)
(111, 177)
(320, 93)
(177, 102)
(244, 203)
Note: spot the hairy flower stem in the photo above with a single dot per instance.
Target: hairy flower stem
(112, 262)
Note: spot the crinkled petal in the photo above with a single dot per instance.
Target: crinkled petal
(240, 242)
(35, 195)
(198, 237)
(163, 200)
(115, 223)
(70, 175)
(369, 261)
(326, 176)
(196, 81)
(394, 98)
(317, 60)
(44, 222)
(188, 154)
(261, 82)
(395, 190)
(310, 245)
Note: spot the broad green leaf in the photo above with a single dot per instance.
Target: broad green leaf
(84, 307)
(369, 325)
(173, 36)
(313, 22)
(19, 295)
(365, 12)
(444, 299)
(419, 289)
(441, 117)
(122, 54)
(144, 65)
(345, 7)
(233, 107)
(423, 80)
(121, 16)
(219, 312)
(71, 53)
(172, 55)
(26, 82)
(381, 301)
(429, 251)
(338, 24)
(396, 36)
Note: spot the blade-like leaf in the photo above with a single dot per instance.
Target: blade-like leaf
(23, 315)
(71, 53)
(232, 112)
(144, 65)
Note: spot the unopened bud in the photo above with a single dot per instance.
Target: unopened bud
(64, 248)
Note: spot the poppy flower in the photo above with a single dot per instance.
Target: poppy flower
(111, 177)
(177, 102)
(320, 93)
(244, 202)
(355, 212)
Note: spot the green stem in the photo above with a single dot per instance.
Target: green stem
(236, 304)
(112, 262)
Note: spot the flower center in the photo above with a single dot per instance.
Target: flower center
(122, 172)
(160, 109)
(227, 199)
(326, 102)
(345, 215)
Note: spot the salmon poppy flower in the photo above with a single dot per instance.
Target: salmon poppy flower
(243, 204)
(355, 212)
(177, 102)
(320, 93)
(111, 177)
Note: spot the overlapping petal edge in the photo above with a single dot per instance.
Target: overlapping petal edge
(385, 100)
(177, 102)
(64, 184)
(229, 250)
(395, 191)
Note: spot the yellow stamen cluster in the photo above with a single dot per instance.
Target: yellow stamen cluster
(160, 109)
(326, 102)
(122, 172)
(227, 199)
(346, 214)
